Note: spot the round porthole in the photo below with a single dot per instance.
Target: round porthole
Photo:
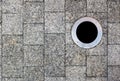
(86, 32)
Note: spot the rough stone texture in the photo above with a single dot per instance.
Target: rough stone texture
(75, 73)
(96, 66)
(54, 5)
(68, 27)
(96, 6)
(75, 55)
(12, 24)
(113, 73)
(12, 50)
(33, 34)
(36, 42)
(34, 74)
(101, 48)
(114, 54)
(54, 23)
(12, 63)
(69, 39)
(97, 79)
(54, 79)
(33, 55)
(54, 54)
(33, 12)
(102, 18)
(12, 79)
(113, 33)
(71, 17)
(12, 6)
(54, 65)
(55, 44)
(75, 9)
(113, 11)
(12, 39)
(12, 46)
(12, 66)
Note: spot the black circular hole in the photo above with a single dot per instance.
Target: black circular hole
(87, 32)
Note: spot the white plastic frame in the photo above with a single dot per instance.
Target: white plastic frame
(87, 45)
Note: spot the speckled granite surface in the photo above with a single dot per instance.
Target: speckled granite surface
(36, 43)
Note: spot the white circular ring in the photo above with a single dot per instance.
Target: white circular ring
(87, 45)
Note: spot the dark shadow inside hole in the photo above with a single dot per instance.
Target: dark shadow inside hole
(87, 32)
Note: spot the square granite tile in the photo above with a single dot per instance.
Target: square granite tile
(101, 18)
(75, 55)
(12, 46)
(54, 78)
(114, 33)
(97, 66)
(114, 54)
(101, 48)
(96, 5)
(12, 79)
(12, 67)
(54, 65)
(33, 12)
(34, 74)
(97, 79)
(12, 6)
(55, 44)
(114, 73)
(113, 11)
(75, 9)
(54, 55)
(33, 34)
(54, 5)
(75, 73)
(11, 24)
(54, 23)
(33, 55)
